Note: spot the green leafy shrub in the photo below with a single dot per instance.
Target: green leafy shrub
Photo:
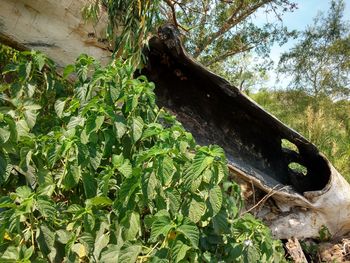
(94, 171)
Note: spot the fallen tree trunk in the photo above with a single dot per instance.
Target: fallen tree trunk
(210, 108)
(217, 113)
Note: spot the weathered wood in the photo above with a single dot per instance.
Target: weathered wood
(53, 27)
(216, 112)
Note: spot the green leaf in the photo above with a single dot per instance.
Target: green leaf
(11, 254)
(99, 201)
(75, 121)
(5, 134)
(63, 236)
(161, 226)
(132, 226)
(68, 70)
(28, 69)
(121, 129)
(111, 254)
(28, 253)
(179, 250)
(173, 199)
(90, 185)
(79, 249)
(220, 223)
(96, 154)
(22, 128)
(40, 60)
(5, 167)
(137, 126)
(151, 186)
(72, 177)
(126, 168)
(166, 170)
(215, 199)
(46, 207)
(201, 162)
(190, 231)
(45, 238)
(129, 253)
(100, 243)
(196, 209)
(59, 107)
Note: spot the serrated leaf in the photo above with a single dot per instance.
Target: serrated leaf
(173, 199)
(196, 209)
(110, 255)
(167, 170)
(59, 107)
(63, 236)
(95, 156)
(151, 186)
(220, 223)
(137, 126)
(30, 90)
(161, 226)
(215, 199)
(100, 243)
(132, 225)
(75, 121)
(22, 128)
(179, 250)
(45, 239)
(5, 134)
(126, 168)
(11, 254)
(28, 253)
(129, 253)
(190, 231)
(46, 207)
(121, 129)
(5, 167)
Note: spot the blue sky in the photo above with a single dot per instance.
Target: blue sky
(298, 20)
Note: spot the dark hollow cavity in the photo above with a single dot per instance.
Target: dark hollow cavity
(216, 112)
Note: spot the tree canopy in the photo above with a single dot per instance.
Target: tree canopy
(319, 62)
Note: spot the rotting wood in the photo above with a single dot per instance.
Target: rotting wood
(295, 251)
(215, 112)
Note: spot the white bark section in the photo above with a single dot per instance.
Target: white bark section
(54, 27)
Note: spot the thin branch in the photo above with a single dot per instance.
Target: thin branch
(228, 54)
(171, 4)
(230, 23)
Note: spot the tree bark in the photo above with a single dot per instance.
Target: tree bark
(54, 27)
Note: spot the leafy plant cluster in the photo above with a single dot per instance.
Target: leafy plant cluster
(91, 170)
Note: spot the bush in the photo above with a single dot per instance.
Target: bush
(91, 170)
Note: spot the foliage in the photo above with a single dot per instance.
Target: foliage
(324, 122)
(130, 21)
(216, 33)
(218, 30)
(319, 63)
(93, 171)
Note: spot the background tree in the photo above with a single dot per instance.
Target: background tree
(319, 62)
(214, 32)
